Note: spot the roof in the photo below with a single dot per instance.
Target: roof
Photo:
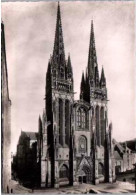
(118, 145)
(117, 155)
(131, 144)
(31, 135)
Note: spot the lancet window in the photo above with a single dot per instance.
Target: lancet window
(81, 118)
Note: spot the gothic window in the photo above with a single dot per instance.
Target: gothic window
(60, 121)
(92, 118)
(97, 126)
(82, 144)
(102, 122)
(78, 118)
(67, 121)
(81, 118)
(54, 109)
(63, 172)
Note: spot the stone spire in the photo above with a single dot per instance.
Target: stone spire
(92, 58)
(103, 79)
(58, 51)
(69, 68)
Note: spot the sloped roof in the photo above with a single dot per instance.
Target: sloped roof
(120, 147)
(131, 144)
(117, 155)
(31, 135)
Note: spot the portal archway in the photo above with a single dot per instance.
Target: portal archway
(100, 169)
(64, 173)
(85, 175)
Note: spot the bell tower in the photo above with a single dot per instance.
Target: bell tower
(94, 91)
(59, 98)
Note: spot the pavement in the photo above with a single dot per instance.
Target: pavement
(19, 189)
(118, 187)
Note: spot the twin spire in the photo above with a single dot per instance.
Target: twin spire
(91, 79)
(92, 58)
(58, 52)
(64, 67)
(93, 72)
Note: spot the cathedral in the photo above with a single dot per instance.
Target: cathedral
(74, 140)
(75, 136)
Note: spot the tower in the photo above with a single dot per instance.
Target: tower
(59, 98)
(94, 91)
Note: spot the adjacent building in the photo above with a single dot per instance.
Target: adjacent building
(124, 156)
(6, 118)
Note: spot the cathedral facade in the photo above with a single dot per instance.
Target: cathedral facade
(75, 141)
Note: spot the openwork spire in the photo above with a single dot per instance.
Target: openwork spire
(58, 52)
(69, 71)
(92, 58)
(69, 66)
(103, 79)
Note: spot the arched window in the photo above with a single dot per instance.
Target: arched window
(67, 121)
(82, 144)
(54, 109)
(63, 172)
(78, 118)
(81, 118)
(61, 121)
(98, 126)
(102, 123)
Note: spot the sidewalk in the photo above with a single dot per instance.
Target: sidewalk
(118, 187)
(19, 189)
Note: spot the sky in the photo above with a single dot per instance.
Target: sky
(29, 33)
